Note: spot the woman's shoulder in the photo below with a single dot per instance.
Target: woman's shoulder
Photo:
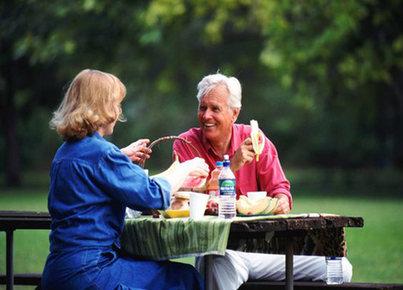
(90, 148)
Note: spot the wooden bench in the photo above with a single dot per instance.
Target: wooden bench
(23, 279)
(9, 222)
(266, 285)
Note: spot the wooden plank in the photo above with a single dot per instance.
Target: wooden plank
(12, 220)
(299, 285)
(23, 214)
(24, 223)
(23, 279)
(311, 235)
(286, 224)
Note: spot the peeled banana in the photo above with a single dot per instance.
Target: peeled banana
(257, 138)
(264, 205)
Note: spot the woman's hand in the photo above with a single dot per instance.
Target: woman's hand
(283, 206)
(244, 154)
(178, 172)
(137, 151)
(196, 167)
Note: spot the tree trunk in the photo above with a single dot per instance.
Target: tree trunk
(398, 121)
(9, 116)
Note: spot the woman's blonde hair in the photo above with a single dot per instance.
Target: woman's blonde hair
(91, 101)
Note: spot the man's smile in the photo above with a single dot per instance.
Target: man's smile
(209, 125)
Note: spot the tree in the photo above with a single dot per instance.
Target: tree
(348, 56)
(343, 61)
(40, 44)
(315, 74)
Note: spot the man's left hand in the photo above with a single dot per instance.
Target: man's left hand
(283, 206)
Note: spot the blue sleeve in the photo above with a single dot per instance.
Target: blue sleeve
(127, 183)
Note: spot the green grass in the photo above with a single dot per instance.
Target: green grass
(376, 250)
(31, 247)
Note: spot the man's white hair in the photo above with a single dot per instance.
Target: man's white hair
(211, 81)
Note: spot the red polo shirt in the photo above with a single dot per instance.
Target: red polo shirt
(266, 174)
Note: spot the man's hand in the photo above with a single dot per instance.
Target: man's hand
(244, 154)
(283, 204)
(137, 151)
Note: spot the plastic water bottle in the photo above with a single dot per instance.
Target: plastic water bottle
(334, 270)
(212, 186)
(226, 183)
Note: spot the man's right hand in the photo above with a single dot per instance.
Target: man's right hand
(244, 154)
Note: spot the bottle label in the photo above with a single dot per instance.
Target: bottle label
(227, 187)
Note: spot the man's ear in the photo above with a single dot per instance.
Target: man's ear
(235, 114)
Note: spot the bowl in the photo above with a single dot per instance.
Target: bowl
(255, 195)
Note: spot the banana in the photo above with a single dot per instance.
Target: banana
(273, 202)
(243, 205)
(259, 205)
(257, 137)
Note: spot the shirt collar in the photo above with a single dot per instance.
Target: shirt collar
(96, 135)
(231, 150)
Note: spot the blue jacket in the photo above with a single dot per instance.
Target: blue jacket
(91, 184)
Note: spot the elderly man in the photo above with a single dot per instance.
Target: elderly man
(219, 99)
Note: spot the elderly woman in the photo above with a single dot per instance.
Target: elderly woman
(219, 99)
(92, 182)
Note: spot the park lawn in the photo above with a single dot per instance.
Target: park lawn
(376, 251)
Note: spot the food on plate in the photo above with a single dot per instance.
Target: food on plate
(180, 200)
(256, 194)
(257, 137)
(176, 213)
(212, 206)
(179, 205)
(264, 205)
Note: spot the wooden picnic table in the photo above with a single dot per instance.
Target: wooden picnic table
(241, 233)
(303, 234)
(291, 235)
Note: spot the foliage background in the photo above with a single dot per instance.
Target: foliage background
(323, 78)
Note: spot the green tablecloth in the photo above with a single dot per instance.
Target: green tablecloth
(162, 239)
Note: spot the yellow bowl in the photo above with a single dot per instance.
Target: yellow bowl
(175, 213)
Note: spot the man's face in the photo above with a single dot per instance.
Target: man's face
(214, 114)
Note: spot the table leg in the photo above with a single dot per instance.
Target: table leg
(208, 274)
(9, 259)
(289, 265)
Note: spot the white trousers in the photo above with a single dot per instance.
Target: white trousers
(229, 272)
